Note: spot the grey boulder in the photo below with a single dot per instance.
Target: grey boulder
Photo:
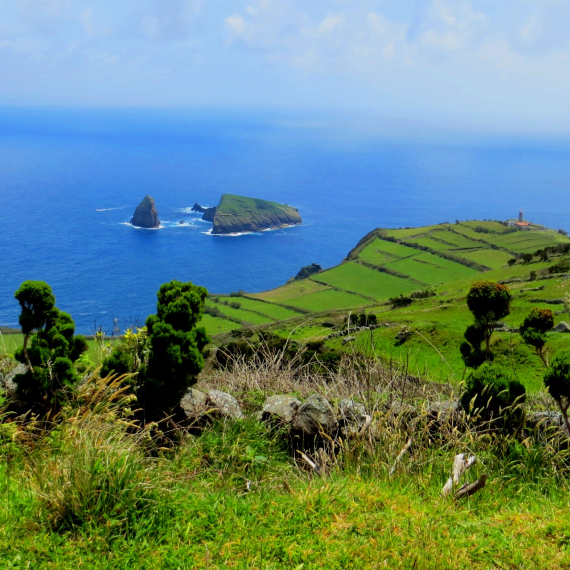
(7, 384)
(194, 404)
(315, 416)
(352, 412)
(224, 405)
(280, 409)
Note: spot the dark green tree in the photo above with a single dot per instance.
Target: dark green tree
(557, 382)
(50, 352)
(176, 346)
(489, 302)
(534, 328)
(471, 350)
(491, 391)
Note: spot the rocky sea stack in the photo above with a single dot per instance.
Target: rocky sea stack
(238, 214)
(146, 215)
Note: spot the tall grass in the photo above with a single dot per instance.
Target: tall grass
(94, 490)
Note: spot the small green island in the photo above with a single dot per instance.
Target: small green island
(239, 214)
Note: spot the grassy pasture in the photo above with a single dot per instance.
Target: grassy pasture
(431, 269)
(458, 240)
(353, 276)
(402, 233)
(276, 312)
(326, 300)
(381, 251)
(216, 325)
(528, 242)
(241, 314)
(427, 241)
(290, 291)
(492, 258)
(489, 225)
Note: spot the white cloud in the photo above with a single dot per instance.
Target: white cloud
(531, 30)
(235, 24)
(329, 23)
(448, 41)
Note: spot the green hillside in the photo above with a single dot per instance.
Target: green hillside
(444, 259)
(388, 263)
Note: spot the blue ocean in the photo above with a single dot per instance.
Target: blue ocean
(70, 180)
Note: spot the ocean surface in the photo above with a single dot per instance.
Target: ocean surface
(71, 179)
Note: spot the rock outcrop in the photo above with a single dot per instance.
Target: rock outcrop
(238, 214)
(209, 214)
(307, 271)
(146, 215)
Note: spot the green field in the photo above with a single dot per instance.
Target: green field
(290, 291)
(492, 258)
(401, 233)
(241, 314)
(353, 276)
(431, 269)
(327, 300)
(215, 325)
(275, 312)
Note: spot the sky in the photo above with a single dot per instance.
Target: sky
(504, 64)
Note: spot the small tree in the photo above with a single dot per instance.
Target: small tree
(534, 329)
(471, 352)
(489, 302)
(557, 382)
(491, 391)
(176, 346)
(50, 353)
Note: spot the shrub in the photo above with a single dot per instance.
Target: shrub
(562, 266)
(488, 302)
(557, 382)
(422, 294)
(213, 311)
(512, 261)
(401, 301)
(490, 392)
(532, 275)
(176, 345)
(526, 258)
(235, 305)
(563, 232)
(129, 355)
(51, 352)
(534, 329)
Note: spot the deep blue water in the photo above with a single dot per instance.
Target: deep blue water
(57, 167)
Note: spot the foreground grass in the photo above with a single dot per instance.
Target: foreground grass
(355, 518)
